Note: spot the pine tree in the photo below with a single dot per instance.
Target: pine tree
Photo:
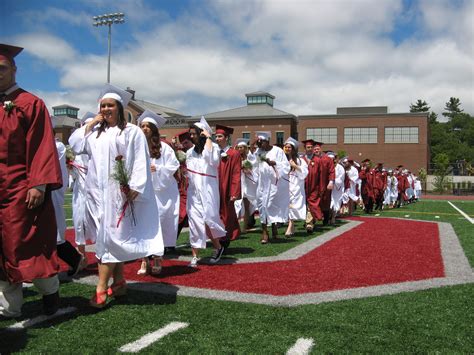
(453, 107)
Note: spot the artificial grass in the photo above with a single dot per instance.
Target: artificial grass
(441, 211)
(437, 320)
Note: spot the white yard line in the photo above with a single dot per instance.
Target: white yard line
(150, 338)
(31, 322)
(302, 346)
(463, 213)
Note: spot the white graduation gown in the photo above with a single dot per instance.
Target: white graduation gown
(105, 201)
(57, 196)
(297, 193)
(166, 193)
(273, 192)
(249, 180)
(78, 174)
(203, 199)
(338, 190)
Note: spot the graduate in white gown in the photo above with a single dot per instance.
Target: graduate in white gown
(66, 251)
(120, 234)
(78, 171)
(163, 167)
(296, 178)
(202, 205)
(339, 186)
(273, 192)
(246, 206)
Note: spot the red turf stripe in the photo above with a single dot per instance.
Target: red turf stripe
(379, 251)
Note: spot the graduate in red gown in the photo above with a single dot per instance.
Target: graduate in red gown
(367, 189)
(29, 171)
(185, 143)
(326, 184)
(230, 186)
(312, 158)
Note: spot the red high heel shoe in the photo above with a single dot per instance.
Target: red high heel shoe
(99, 299)
(118, 289)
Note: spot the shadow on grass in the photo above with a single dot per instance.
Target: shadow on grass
(14, 340)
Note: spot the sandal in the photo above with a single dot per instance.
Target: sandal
(144, 268)
(99, 299)
(156, 268)
(118, 289)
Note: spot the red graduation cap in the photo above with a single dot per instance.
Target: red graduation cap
(226, 131)
(365, 160)
(8, 52)
(184, 136)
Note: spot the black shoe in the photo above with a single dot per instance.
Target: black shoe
(225, 243)
(216, 255)
(170, 250)
(51, 303)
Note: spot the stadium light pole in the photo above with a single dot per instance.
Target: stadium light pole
(109, 19)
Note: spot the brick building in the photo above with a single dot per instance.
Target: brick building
(372, 132)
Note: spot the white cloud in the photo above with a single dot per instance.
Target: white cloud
(312, 55)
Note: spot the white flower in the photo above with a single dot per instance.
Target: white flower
(223, 155)
(9, 106)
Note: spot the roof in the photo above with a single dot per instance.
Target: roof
(358, 115)
(249, 111)
(65, 106)
(65, 121)
(164, 111)
(259, 93)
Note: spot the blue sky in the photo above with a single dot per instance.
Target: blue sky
(201, 56)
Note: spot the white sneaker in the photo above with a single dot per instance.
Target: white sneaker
(194, 262)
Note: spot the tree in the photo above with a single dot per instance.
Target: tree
(442, 170)
(453, 107)
(422, 106)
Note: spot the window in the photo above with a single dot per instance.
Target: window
(360, 135)
(246, 135)
(280, 138)
(401, 134)
(324, 135)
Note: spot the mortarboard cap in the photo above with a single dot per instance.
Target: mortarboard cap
(8, 52)
(226, 131)
(365, 160)
(330, 154)
(309, 141)
(263, 135)
(112, 92)
(88, 116)
(183, 136)
(242, 141)
(292, 141)
(151, 117)
(202, 124)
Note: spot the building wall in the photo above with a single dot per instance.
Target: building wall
(412, 155)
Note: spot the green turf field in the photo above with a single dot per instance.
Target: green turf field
(439, 320)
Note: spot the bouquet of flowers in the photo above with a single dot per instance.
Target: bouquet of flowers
(263, 157)
(122, 176)
(71, 164)
(181, 156)
(247, 165)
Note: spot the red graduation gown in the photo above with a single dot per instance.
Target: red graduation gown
(367, 190)
(229, 185)
(28, 158)
(311, 186)
(326, 174)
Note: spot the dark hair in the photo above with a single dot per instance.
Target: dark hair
(121, 123)
(155, 141)
(199, 147)
(293, 155)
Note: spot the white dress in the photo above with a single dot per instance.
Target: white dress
(249, 180)
(166, 193)
(338, 190)
(130, 239)
(297, 193)
(57, 196)
(203, 199)
(273, 192)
